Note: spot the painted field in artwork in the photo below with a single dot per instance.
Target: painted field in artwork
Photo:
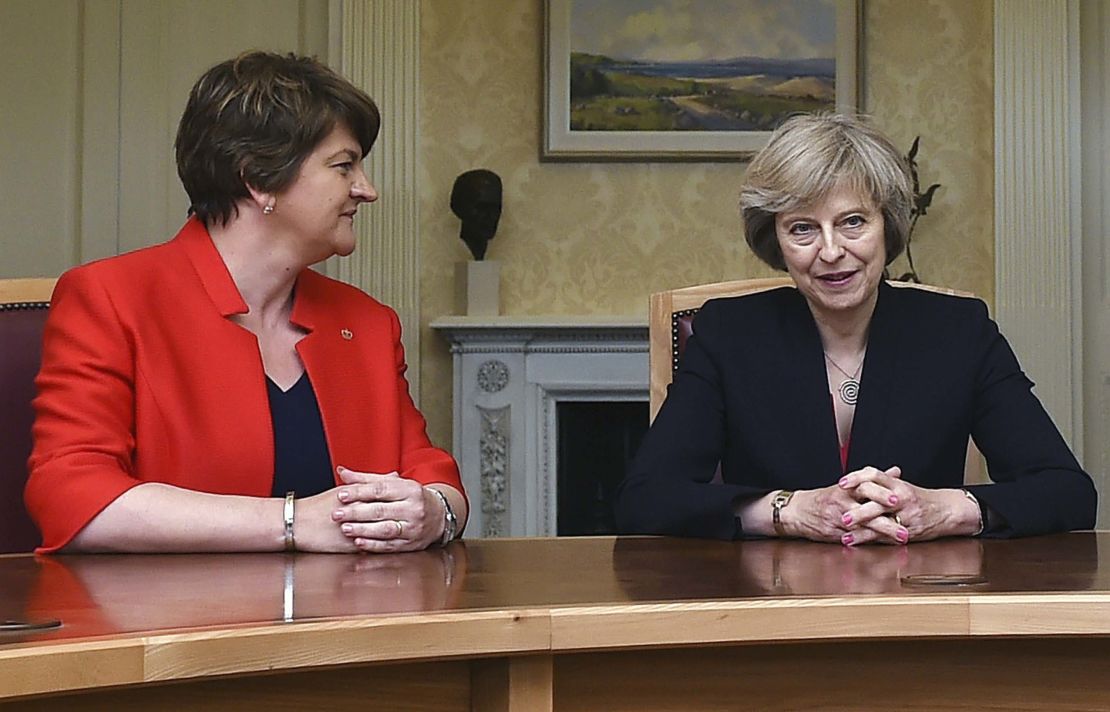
(724, 65)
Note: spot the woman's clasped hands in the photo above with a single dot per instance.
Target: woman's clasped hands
(870, 505)
(370, 512)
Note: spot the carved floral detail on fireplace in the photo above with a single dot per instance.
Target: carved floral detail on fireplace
(493, 375)
(493, 444)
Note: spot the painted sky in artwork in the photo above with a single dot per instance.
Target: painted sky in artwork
(694, 30)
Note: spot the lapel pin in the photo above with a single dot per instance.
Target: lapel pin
(346, 334)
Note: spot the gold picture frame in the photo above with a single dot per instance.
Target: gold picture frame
(718, 98)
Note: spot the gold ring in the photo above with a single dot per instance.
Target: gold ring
(897, 519)
(400, 528)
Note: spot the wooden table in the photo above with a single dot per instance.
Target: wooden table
(576, 624)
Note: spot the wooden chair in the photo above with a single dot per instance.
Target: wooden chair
(671, 320)
(23, 307)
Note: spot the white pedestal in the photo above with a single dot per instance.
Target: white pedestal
(510, 373)
(478, 288)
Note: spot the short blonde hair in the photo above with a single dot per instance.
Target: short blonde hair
(807, 157)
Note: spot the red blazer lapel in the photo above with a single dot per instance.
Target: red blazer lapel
(350, 362)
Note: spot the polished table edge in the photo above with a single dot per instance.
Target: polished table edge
(795, 620)
(45, 667)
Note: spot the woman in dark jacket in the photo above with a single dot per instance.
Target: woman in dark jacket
(841, 410)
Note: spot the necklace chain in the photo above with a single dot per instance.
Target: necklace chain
(846, 374)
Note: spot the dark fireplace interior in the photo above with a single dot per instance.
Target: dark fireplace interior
(597, 441)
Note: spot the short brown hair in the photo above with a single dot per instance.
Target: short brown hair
(808, 156)
(253, 120)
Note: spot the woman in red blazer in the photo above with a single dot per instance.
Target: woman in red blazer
(213, 393)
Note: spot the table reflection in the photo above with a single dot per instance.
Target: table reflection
(111, 594)
(105, 595)
(650, 571)
(858, 570)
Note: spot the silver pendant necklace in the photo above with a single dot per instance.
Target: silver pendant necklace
(849, 388)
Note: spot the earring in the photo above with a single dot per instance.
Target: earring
(269, 209)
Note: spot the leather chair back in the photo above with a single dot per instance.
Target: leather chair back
(24, 304)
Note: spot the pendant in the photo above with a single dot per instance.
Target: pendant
(849, 391)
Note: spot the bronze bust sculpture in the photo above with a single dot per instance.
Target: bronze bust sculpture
(476, 200)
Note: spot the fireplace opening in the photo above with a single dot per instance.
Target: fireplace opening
(596, 443)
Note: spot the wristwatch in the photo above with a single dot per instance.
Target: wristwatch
(983, 512)
(779, 501)
(450, 522)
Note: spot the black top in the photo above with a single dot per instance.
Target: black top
(302, 463)
(751, 393)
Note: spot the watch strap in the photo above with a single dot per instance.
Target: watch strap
(982, 512)
(780, 500)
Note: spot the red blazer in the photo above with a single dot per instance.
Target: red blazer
(145, 379)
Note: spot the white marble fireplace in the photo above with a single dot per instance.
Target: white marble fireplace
(510, 374)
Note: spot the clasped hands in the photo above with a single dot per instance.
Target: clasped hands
(873, 506)
(369, 512)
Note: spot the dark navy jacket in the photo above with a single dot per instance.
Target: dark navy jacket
(752, 393)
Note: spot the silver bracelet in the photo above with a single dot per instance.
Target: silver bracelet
(978, 508)
(287, 518)
(450, 522)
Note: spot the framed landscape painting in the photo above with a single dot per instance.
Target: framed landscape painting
(690, 79)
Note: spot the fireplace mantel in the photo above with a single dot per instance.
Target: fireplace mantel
(510, 373)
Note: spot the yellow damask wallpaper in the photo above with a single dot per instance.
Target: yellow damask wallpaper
(597, 238)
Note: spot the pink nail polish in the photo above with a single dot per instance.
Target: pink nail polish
(844, 481)
(847, 519)
(337, 515)
(343, 495)
(347, 528)
(902, 535)
(893, 499)
(847, 539)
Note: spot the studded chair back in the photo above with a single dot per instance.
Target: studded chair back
(671, 321)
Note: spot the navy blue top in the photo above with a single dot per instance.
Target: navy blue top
(302, 463)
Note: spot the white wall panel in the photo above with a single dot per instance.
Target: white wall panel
(377, 47)
(40, 96)
(165, 46)
(1037, 244)
(1095, 75)
(91, 93)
